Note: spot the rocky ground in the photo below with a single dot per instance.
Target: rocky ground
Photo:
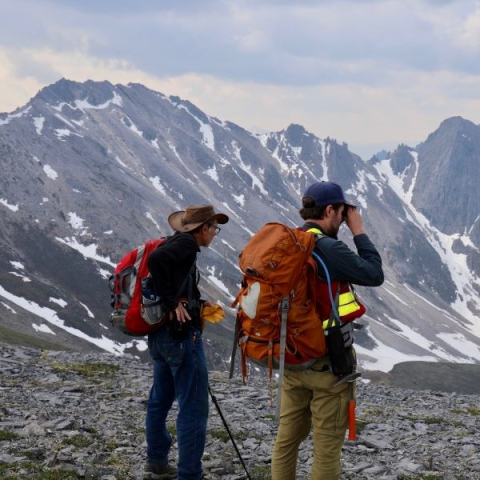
(74, 416)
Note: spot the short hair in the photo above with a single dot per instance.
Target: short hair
(310, 210)
(199, 228)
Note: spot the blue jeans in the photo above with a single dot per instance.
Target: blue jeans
(179, 372)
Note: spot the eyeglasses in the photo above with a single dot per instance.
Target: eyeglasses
(217, 229)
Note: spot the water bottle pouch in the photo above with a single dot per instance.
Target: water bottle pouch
(152, 312)
(152, 309)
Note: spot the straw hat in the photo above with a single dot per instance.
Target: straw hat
(194, 216)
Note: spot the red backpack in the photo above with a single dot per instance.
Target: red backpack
(129, 310)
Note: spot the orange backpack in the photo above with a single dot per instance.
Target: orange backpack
(277, 325)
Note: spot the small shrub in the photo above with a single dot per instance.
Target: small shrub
(79, 441)
(220, 434)
(360, 425)
(260, 472)
(4, 467)
(433, 420)
(121, 466)
(6, 435)
(60, 474)
(473, 410)
(140, 430)
(10, 471)
(424, 476)
(87, 369)
(33, 454)
(172, 430)
(374, 412)
(111, 445)
(441, 421)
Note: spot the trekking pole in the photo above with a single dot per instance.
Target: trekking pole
(214, 400)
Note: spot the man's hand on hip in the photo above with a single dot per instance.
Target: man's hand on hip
(181, 313)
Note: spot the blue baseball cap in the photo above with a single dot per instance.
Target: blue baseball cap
(326, 193)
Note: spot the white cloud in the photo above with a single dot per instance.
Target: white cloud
(470, 37)
(370, 73)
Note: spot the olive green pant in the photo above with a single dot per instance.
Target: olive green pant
(310, 397)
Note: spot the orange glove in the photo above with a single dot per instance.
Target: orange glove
(212, 313)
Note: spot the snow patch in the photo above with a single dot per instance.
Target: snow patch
(11, 116)
(88, 251)
(132, 126)
(205, 129)
(52, 317)
(8, 307)
(104, 273)
(464, 346)
(58, 301)
(239, 199)
(50, 172)
(62, 132)
(150, 217)
(23, 277)
(4, 202)
(386, 357)
(38, 122)
(43, 328)
(18, 265)
(158, 186)
(255, 180)
(212, 173)
(90, 314)
(358, 192)
(123, 164)
(217, 282)
(83, 105)
(76, 222)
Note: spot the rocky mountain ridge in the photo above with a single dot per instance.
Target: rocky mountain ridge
(93, 169)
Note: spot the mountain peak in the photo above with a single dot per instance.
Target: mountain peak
(67, 91)
(455, 125)
(296, 134)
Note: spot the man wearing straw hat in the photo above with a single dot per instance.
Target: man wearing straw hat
(179, 364)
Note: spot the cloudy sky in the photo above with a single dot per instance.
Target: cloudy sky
(371, 73)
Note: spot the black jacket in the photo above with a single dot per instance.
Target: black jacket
(170, 264)
(364, 268)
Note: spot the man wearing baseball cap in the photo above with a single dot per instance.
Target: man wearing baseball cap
(315, 396)
(179, 364)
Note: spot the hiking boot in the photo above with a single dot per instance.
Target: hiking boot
(156, 471)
